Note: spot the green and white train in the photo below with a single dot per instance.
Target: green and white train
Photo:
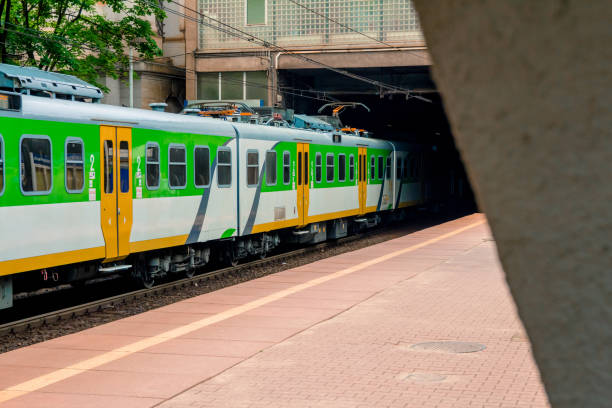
(88, 189)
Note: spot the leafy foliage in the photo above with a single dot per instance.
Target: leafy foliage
(84, 38)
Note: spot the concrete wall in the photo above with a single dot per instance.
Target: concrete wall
(527, 88)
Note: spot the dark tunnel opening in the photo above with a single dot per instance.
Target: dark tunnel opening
(415, 117)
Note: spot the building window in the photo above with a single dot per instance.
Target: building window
(152, 165)
(380, 167)
(224, 167)
(372, 167)
(318, 168)
(329, 167)
(233, 85)
(252, 168)
(1, 165)
(271, 168)
(256, 12)
(124, 166)
(341, 167)
(201, 166)
(73, 172)
(286, 167)
(177, 166)
(36, 166)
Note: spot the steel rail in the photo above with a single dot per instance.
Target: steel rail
(98, 305)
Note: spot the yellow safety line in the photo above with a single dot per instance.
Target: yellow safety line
(107, 357)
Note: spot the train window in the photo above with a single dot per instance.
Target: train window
(413, 168)
(286, 167)
(36, 165)
(177, 166)
(108, 167)
(362, 165)
(201, 166)
(124, 166)
(252, 168)
(318, 167)
(380, 167)
(306, 168)
(405, 168)
(351, 167)
(416, 167)
(329, 167)
(341, 167)
(372, 167)
(299, 169)
(388, 168)
(224, 167)
(271, 168)
(152, 165)
(75, 166)
(398, 168)
(1, 165)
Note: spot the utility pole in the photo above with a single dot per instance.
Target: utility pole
(131, 77)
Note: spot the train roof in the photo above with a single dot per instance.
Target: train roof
(249, 131)
(36, 107)
(17, 78)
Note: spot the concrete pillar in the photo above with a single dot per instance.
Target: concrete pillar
(191, 45)
(527, 88)
(272, 80)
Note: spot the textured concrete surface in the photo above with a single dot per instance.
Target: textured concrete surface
(364, 357)
(526, 86)
(334, 333)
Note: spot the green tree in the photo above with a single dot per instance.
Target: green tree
(75, 37)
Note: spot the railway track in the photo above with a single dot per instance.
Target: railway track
(68, 313)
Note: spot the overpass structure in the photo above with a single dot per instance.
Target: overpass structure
(289, 50)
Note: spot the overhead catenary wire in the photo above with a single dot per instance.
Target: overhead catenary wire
(63, 40)
(236, 32)
(313, 11)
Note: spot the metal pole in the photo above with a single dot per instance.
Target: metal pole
(131, 77)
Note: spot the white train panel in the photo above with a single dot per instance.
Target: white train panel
(34, 230)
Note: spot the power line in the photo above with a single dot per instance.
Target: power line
(284, 90)
(352, 29)
(252, 38)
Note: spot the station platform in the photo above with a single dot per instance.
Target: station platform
(424, 320)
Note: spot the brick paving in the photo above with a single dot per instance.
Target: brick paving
(342, 342)
(363, 357)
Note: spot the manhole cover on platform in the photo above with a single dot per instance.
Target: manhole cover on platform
(449, 346)
(423, 377)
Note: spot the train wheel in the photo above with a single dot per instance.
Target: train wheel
(143, 275)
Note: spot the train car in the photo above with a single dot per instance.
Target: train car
(88, 189)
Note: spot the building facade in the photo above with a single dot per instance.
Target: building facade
(236, 49)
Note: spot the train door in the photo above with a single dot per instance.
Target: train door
(303, 187)
(363, 179)
(116, 190)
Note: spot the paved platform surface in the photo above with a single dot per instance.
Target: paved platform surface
(336, 333)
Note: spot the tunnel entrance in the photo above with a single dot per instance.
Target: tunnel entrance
(417, 117)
